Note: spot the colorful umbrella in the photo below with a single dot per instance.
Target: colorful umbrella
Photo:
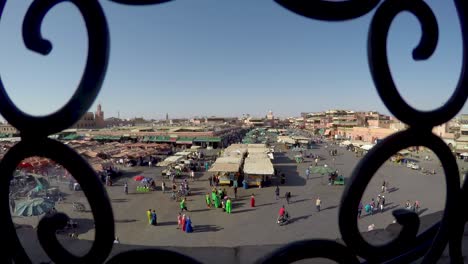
(138, 178)
(33, 207)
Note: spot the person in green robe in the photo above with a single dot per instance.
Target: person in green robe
(228, 206)
(207, 199)
(183, 206)
(213, 198)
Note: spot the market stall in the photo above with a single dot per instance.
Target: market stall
(169, 161)
(227, 169)
(258, 170)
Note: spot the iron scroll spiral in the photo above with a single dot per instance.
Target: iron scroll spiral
(407, 247)
(34, 133)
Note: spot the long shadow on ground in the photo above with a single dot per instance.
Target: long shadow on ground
(125, 220)
(241, 211)
(206, 228)
(299, 218)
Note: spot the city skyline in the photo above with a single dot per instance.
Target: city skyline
(269, 60)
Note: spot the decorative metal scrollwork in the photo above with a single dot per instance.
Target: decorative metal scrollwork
(405, 248)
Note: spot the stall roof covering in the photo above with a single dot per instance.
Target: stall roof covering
(258, 150)
(367, 147)
(235, 160)
(225, 167)
(72, 137)
(403, 152)
(185, 140)
(258, 155)
(169, 160)
(89, 153)
(358, 143)
(346, 142)
(183, 153)
(300, 138)
(286, 139)
(164, 139)
(207, 139)
(256, 146)
(260, 166)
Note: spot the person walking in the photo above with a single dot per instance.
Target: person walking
(207, 200)
(210, 179)
(183, 206)
(383, 186)
(318, 204)
(188, 225)
(179, 221)
(184, 222)
(192, 175)
(126, 188)
(316, 161)
(148, 214)
(277, 192)
(307, 172)
(382, 203)
(154, 219)
(235, 192)
(228, 206)
(416, 206)
(252, 200)
(288, 196)
(163, 186)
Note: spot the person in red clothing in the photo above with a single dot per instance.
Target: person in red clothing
(252, 201)
(281, 211)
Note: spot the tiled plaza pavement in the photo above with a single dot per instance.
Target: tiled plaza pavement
(256, 226)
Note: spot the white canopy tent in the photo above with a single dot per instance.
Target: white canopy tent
(258, 166)
(367, 147)
(345, 143)
(169, 161)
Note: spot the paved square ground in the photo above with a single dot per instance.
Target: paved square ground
(257, 226)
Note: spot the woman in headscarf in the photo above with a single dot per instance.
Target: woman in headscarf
(148, 214)
(154, 219)
(188, 225)
(215, 199)
(208, 201)
(179, 221)
(228, 205)
(184, 222)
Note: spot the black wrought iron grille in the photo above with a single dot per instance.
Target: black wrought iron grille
(407, 247)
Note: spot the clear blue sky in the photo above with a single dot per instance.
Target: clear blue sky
(225, 58)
